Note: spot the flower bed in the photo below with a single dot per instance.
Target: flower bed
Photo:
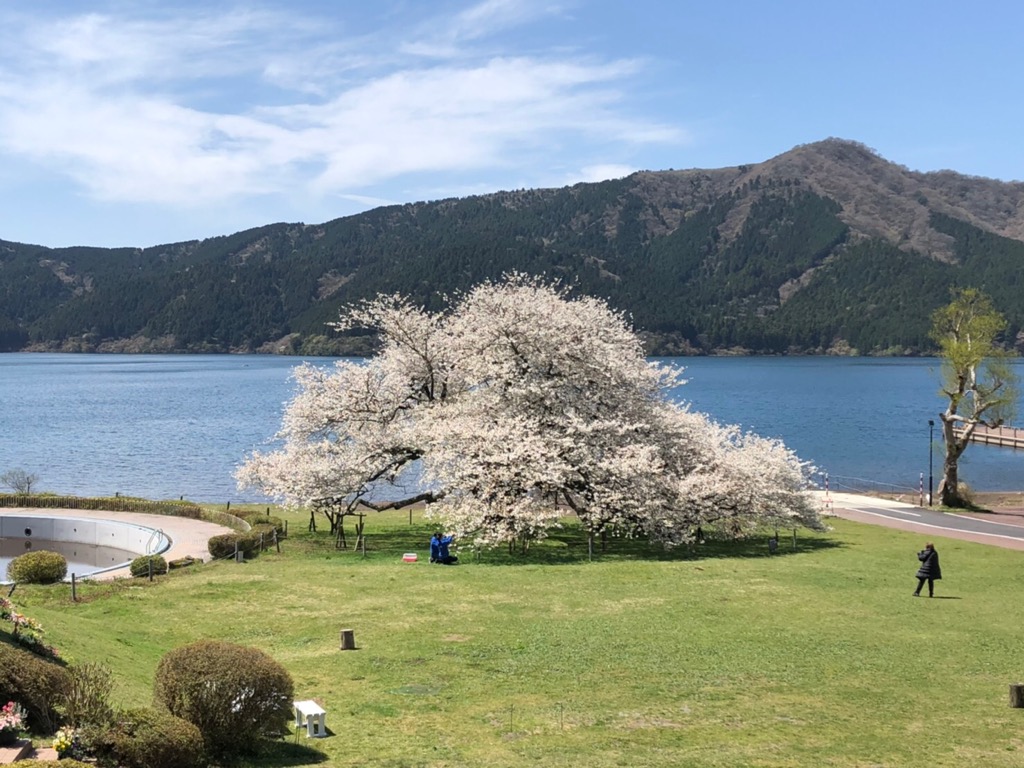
(12, 720)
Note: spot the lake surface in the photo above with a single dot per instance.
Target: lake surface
(167, 426)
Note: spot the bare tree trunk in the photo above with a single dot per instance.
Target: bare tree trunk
(949, 493)
(949, 486)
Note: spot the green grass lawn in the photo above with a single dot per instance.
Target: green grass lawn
(727, 657)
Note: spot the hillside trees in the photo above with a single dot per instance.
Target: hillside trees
(825, 247)
(977, 382)
(516, 405)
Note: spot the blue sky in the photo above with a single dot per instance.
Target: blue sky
(139, 123)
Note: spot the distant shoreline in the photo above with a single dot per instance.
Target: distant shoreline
(117, 349)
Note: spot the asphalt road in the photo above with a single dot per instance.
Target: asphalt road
(908, 517)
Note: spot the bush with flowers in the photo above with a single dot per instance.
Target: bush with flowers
(67, 744)
(12, 720)
(35, 682)
(27, 631)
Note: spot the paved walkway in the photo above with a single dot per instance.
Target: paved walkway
(23, 750)
(188, 537)
(999, 529)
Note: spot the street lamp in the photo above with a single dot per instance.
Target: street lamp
(931, 442)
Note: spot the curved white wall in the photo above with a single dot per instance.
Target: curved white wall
(107, 536)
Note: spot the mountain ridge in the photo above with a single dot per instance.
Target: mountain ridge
(705, 260)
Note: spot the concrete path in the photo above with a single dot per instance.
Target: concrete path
(994, 529)
(188, 537)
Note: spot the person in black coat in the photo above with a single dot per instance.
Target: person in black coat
(929, 570)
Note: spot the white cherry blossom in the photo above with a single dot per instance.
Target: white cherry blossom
(516, 407)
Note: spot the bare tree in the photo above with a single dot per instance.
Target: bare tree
(19, 480)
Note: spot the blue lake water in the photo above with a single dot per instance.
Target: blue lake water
(166, 426)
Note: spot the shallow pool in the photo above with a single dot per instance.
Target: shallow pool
(90, 546)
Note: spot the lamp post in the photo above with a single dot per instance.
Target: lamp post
(931, 441)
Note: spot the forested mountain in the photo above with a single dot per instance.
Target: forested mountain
(826, 248)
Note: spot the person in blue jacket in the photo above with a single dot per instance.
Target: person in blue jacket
(439, 552)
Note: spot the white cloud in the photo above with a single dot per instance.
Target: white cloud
(191, 108)
(601, 173)
(446, 38)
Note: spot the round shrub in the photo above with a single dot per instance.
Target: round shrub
(140, 565)
(234, 694)
(35, 683)
(39, 567)
(224, 545)
(147, 738)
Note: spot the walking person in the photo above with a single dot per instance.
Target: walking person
(929, 570)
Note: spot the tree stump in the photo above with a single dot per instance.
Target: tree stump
(348, 640)
(1017, 695)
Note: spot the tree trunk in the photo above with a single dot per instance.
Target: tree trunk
(949, 486)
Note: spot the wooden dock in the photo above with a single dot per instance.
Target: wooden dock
(1007, 437)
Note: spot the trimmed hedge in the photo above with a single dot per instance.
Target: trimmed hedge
(258, 518)
(108, 504)
(224, 545)
(265, 530)
(38, 567)
(65, 763)
(33, 682)
(124, 504)
(147, 738)
(140, 565)
(235, 695)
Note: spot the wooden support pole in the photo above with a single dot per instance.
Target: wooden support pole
(348, 640)
(1017, 695)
